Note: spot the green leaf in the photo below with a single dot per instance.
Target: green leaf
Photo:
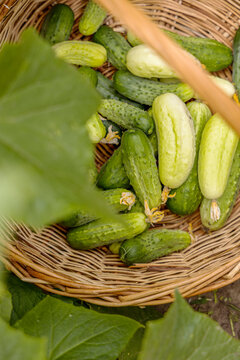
(5, 298)
(15, 345)
(134, 312)
(45, 152)
(24, 297)
(184, 334)
(75, 333)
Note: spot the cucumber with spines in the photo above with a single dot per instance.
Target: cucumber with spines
(226, 202)
(116, 45)
(113, 197)
(112, 174)
(153, 244)
(92, 18)
(145, 91)
(103, 232)
(89, 74)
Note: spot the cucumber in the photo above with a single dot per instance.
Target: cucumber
(113, 174)
(89, 74)
(102, 232)
(117, 198)
(226, 202)
(137, 207)
(211, 53)
(78, 52)
(92, 18)
(58, 23)
(176, 139)
(145, 91)
(114, 248)
(93, 173)
(106, 90)
(217, 149)
(141, 168)
(126, 115)
(225, 85)
(188, 197)
(143, 61)
(236, 62)
(116, 45)
(153, 244)
(96, 129)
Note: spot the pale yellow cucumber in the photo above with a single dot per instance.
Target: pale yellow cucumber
(217, 149)
(176, 139)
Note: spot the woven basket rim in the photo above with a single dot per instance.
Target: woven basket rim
(211, 263)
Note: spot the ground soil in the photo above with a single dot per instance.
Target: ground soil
(222, 306)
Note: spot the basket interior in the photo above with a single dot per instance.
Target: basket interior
(43, 256)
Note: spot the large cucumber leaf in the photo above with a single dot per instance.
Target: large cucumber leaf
(45, 151)
(15, 345)
(184, 334)
(74, 332)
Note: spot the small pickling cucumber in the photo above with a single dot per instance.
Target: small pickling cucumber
(89, 74)
(126, 115)
(113, 174)
(217, 149)
(176, 139)
(187, 198)
(140, 165)
(106, 89)
(214, 214)
(145, 91)
(116, 45)
(92, 18)
(137, 207)
(143, 61)
(114, 248)
(96, 129)
(226, 86)
(119, 199)
(58, 24)
(211, 53)
(152, 245)
(84, 53)
(102, 232)
(236, 62)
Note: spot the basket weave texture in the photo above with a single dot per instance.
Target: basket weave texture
(44, 258)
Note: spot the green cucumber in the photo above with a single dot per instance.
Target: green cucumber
(226, 202)
(143, 61)
(116, 45)
(141, 168)
(126, 115)
(58, 23)
(217, 149)
(152, 245)
(137, 207)
(96, 129)
(113, 198)
(114, 248)
(113, 174)
(211, 53)
(154, 142)
(176, 139)
(102, 232)
(106, 89)
(145, 91)
(236, 62)
(92, 18)
(78, 52)
(89, 74)
(188, 196)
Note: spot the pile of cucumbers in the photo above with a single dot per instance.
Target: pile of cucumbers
(173, 152)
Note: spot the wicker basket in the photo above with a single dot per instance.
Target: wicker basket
(44, 258)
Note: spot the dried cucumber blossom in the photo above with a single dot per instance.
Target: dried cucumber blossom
(128, 198)
(215, 211)
(112, 137)
(154, 216)
(166, 194)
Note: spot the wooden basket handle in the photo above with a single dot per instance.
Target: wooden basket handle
(189, 70)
